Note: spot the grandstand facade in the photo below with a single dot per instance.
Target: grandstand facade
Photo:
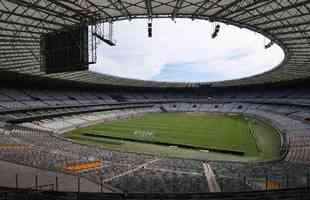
(36, 108)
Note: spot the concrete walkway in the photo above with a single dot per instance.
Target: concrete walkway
(211, 179)
(15, 175)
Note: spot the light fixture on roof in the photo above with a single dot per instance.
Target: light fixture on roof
(149, 28)
(267, 46)
(216, 31)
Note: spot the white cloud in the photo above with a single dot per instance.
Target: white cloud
(234, 53)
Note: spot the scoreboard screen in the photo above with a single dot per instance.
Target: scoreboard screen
(65, 50)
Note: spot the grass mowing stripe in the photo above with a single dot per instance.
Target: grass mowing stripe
(90, 140)
(134, 127)
(222, 150)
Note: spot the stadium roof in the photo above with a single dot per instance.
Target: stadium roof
(286, 22)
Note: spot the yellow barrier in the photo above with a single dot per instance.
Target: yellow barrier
(273, 185)
(78, 167)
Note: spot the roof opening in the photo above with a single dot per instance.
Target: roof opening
(185, 51)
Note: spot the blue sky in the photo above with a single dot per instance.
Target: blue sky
(184, 51)
(183, 72)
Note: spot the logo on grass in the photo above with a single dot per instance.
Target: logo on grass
(143, 133)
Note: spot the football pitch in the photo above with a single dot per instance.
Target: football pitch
(193, 135)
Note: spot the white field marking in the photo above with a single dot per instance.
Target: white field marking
(131, 170)
(211, 179)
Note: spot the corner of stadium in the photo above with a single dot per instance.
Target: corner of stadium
(69, 133)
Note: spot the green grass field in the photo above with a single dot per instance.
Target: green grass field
(200, 130)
